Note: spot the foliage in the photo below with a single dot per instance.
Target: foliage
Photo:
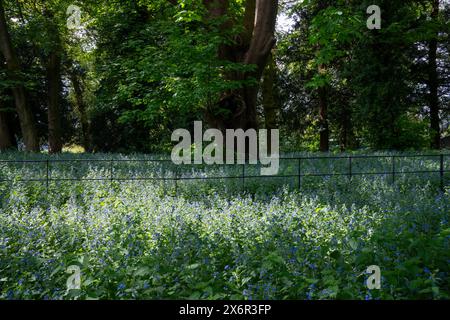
(134, 240)
(146, 68)
(376, 79)
(165, 74)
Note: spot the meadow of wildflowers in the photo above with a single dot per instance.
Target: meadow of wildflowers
(217, 240)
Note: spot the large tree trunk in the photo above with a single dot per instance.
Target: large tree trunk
(433, 84)
(81, 110)
(7, 140)
(26, 117)
(54, 112)
(54, 85)
(252, 47)
(6, 135)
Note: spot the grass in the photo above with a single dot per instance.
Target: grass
(211, 240)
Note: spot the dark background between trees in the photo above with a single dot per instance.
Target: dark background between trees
(138, 69)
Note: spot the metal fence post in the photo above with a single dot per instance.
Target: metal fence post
(243, 177)
(176, 181)
(350, 164)
(442, 171)
(48, 175)
(299, 173)
(393, 169)
(163, 171)
(111, 173)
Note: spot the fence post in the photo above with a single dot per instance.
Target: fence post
(350, 171)
(176, 181)
(48, 175)
(299, 173)
(243, 177)
(111, 173)
(442, 172)
(393, 169)
(163, 171)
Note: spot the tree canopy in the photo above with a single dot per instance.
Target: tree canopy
(123, 75)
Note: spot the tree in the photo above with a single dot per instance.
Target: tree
(176, 62)
(269, 97)
(270, 102)
(52, 63)
(253, 48)
(24, 111)
(7, 140)
(76, 80)
(322, 92)
(381, 78)
(433, 81)
(330, 31)
(136, 70)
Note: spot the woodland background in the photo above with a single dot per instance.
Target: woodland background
(135, 70)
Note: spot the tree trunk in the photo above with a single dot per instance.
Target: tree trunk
(323, 120)
(26, 117)
(54, 113)
(81, 109)
(7, 140)
(345, 129)
(322, 92)
(252, 47)
(433, 84)
(6, 136)
(54, 84)
(347, 137)
(269, 102)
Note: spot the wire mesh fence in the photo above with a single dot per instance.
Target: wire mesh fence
(296, 170)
